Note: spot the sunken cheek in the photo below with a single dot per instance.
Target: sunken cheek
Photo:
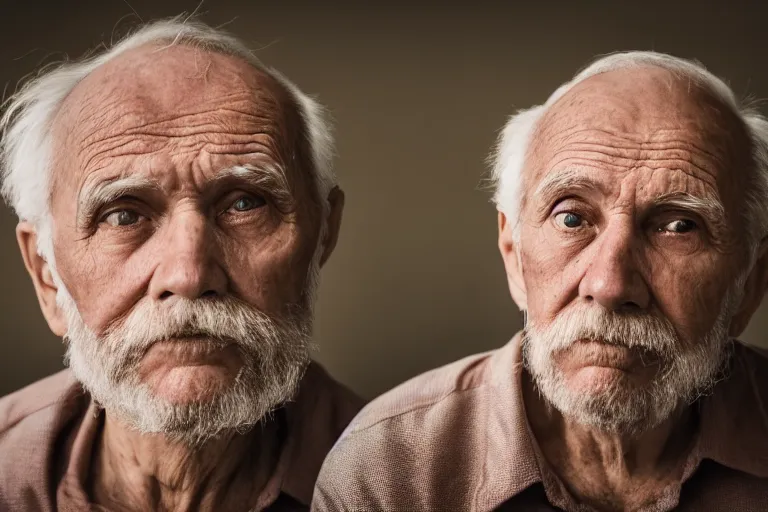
(684, 287)
(113, 269)
(551, 270)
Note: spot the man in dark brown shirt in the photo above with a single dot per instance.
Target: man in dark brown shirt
(632, 225)
(176, 202)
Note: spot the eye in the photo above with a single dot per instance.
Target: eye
(569, 220)
(248, 202)
(679, 226)
(122, 218)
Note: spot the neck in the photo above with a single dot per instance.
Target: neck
(610, 470)
(134, 471)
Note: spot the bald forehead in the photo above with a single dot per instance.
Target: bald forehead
(645, 105)
(172, 78)
(161, 91)
(643, 100)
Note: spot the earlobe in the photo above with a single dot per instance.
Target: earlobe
(333, 223)
(510, 254)
(42, 278)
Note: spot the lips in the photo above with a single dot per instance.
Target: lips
(591, 352)
(188, 351)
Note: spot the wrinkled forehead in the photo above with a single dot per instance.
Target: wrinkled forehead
(144, 88)
(637, 111)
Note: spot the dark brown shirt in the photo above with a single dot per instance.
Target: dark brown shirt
(457, 439)
(48, 429)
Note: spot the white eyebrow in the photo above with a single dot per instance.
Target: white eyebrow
(270, 178)
(92, 198)
(709, 209)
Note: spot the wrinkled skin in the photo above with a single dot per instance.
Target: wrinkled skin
(612, 147)
(178, 118)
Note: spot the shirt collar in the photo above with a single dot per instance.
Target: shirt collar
(734, 417)
(314, 421)
(733, 429)
(309, 426)
(511, 465)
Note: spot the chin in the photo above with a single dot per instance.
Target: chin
(190, 384)
(596, 380)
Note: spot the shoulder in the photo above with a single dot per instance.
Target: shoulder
(753, 360)
(316, 418)
(31, 423)
(36, 400)
(440, 388)
(326, 404)
(380, 463)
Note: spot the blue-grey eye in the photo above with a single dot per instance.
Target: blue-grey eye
(245, 203)
(680, 226)
(570, 220)
(122, 218)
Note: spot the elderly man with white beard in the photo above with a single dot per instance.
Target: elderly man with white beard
(633, 214)
(176, 202)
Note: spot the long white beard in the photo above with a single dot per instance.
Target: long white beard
(275, 355)
(686, 371)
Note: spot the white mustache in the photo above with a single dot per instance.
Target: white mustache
(223, 320)
(643, 331)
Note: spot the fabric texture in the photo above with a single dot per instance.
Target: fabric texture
(48, 430)
(457, 439)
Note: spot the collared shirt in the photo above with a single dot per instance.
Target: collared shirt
(48, 431)
(458, 439)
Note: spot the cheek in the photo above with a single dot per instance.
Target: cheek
(689, 291)
(551, 273)
(270, 274)
(106, 284)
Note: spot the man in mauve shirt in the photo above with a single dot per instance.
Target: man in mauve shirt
(633, 214)
(176, 202)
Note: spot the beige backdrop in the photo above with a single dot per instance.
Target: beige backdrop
(418, 94)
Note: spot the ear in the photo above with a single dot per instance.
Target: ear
(754, 291)
(336, 200)
(511, 256)
(40, 272)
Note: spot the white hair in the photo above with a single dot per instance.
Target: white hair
(508, 157)
(25, 147)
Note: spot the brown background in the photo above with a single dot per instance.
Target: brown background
(418, 93)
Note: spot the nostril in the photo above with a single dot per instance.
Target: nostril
(165, 295)
(209, 293)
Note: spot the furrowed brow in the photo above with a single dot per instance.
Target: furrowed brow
(92, 198)
(271, 179)
(711, 210)
(562, 183)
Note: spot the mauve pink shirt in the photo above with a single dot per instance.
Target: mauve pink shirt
(48, 429)
(457, 439)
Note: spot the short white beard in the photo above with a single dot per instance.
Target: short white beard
(686, 372)
(275, 355)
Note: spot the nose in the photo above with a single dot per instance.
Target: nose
(188, 266)
(613, 279)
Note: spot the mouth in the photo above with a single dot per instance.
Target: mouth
(188, 350)
(599, 353)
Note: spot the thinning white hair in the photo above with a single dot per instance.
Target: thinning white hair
(509, 155)
(25, 126)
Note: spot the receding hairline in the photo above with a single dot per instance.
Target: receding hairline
(262, 84)
(262, 78)
(697, 95)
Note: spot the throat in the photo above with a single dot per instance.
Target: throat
(608, 470)
(133, 471)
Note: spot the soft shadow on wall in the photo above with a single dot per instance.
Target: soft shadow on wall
(418, 92)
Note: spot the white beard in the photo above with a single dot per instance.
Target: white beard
(275, 355)
(685, 373)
